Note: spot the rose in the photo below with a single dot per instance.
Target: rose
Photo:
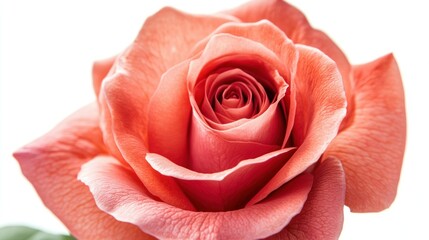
(210, 129)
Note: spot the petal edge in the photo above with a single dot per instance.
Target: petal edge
(372, 147)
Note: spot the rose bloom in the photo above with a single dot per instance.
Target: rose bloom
(248, 124)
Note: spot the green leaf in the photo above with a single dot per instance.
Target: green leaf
(27, 233)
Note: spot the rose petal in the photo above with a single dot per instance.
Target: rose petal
(269, 127)
(228, 189)
(227, 90)
(291, 21)
(169, 116)
(212, 151)
(279, 44)
(99, 71)
(129, 140)
(52, 163)
(124, 197)
(321, 101)
(126, 92)
(163, 124)
(258, 69)
(371, 148)
(322, 215)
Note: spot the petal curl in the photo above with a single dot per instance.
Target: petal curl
(372, 145)
(100, 69)
(126, 201)
(322, 216)
(321, 106)
(169, 116)
(127, 90)
(52, 163)
(228, 189)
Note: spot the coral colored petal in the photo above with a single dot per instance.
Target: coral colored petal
(322, 106)
(322, 215)
(124, 198)
(291, 21)
(127, 90)
(239, 52)
(279, 44)
(52, 163)
(106, 125)
(99, 71)
(372, 147)
(228, 189)
(169, 116)
(229, 90)
(295, 25)
(130, 142)
(243, 39)
(206, 143)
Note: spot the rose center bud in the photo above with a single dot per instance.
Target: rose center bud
(233, 95)
(236, 112)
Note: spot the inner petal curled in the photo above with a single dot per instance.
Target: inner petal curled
(232, 95)
(236, 99)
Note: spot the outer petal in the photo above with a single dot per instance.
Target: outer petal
(124, 197)
(226, 190)
(320, 109)
(322, 216)
(371, 148)
(99, 71)
(127, 91)
(295, 25)
(52, 162)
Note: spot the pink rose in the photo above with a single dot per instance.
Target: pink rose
(245, 125)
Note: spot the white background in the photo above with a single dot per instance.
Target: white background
(47, 48)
